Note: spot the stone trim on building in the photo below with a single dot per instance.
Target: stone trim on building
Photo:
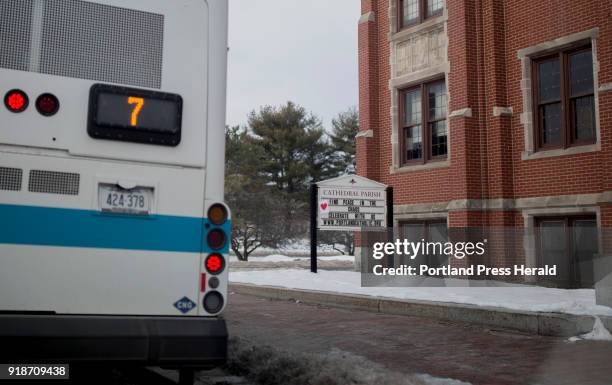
(606, 87)
(434, 72)
(462, 112)
(369, 16)
(365, 134)
(502, 111)
(554, 202)
(408, 217)
(419, 167)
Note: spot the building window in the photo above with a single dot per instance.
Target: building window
(416, 11)
(424, 136)
(570, 243)
(427, 231)
(564, 99)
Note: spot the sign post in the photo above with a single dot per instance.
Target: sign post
(348, 203)
(390, 207)
(313, 227)
(390, 221)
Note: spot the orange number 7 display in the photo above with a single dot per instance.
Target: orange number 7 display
(139, 102)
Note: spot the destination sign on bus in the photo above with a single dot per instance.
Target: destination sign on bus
(134, 115)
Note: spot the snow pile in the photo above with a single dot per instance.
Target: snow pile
(515, 297)
(599, 332)
(267, 364)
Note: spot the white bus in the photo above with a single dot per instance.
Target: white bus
(113, 234)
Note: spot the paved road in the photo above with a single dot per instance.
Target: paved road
(416, 344)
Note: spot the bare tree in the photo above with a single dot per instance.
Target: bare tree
(257, 219)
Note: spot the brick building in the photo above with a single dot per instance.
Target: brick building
(493, 113)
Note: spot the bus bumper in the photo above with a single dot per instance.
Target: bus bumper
(156, 341)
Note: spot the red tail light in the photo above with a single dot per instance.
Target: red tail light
(214, 264)
(16, 101)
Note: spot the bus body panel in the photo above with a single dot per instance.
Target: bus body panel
(176, 190)
(217, 86)
(73, 280)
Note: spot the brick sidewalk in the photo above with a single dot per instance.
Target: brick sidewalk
(416, 344)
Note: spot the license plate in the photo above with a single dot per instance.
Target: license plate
(117, 200)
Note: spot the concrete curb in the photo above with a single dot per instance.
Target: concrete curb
(547, 324)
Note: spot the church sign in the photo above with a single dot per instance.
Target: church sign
(351, 203)
(348, 203)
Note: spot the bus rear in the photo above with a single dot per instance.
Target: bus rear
(114, 237)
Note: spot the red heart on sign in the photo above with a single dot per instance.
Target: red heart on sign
(324, 205)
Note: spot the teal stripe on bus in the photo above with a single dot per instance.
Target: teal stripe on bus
(48, 226)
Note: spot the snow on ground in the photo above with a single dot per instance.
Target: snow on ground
(520, 297)
(285, 258)
(298, 248)
(304, 245)
(334, 367)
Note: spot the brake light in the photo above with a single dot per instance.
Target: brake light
(214, 264)
(16, 101)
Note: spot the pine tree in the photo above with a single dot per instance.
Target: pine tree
(344, 128)
(295, 147)
(254, 205)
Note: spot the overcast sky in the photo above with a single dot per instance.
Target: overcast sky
(303, 51)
